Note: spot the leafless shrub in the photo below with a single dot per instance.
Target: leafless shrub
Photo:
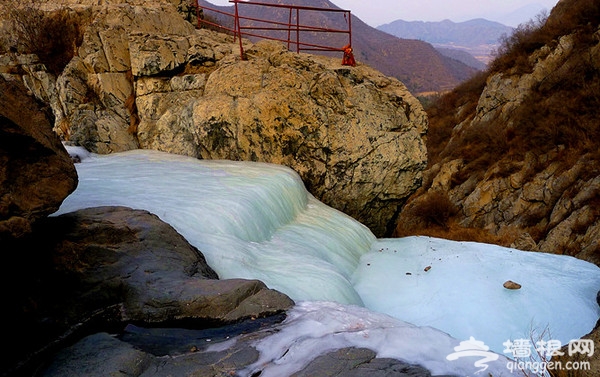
(53, 35)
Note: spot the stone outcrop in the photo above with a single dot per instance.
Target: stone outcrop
(99, 268)
(145, 78)
(134, 259)
(353, 135)
(94, 269)
(102, 355)
(578, 364)
(357, 362)
(542, 201)
(36, 172)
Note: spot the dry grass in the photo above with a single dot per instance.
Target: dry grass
(52, 35)
(456, 232)
(558, 119)
(579, 17)
(444, 115)
(432, 210)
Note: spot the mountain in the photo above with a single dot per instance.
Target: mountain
(462, 56)
(416, 63)
(478, 37)
(514, 153)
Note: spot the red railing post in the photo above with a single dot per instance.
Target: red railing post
(238, 28)
(197, 14)
(289, 29)
(297, 30)
(349, 28)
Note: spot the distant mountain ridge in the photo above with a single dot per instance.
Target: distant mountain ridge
(478, 37)
(476, 31)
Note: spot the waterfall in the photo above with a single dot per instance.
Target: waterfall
(257, 221)
(250, 220)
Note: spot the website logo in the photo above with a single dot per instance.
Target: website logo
(474, 348)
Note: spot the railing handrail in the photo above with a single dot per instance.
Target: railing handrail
(301, 7)
(240, 30)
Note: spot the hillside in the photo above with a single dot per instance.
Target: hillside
(462, 56)
(416, 63)
(514, 153)
(478, 37)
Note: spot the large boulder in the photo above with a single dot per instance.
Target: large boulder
(353, 134)
(579, 360)
(99, 268)
(36, 172)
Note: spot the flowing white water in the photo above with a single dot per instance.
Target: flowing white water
(257, 221)
(250, 220)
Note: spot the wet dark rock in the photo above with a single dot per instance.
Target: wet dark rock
(36, 172)
(98, 269)
(357, 362)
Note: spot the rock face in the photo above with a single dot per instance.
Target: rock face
(36, 172)
(102, 355)
(356, 362)
(110, 251)
(94, 269)
(102, 267)
(144, 77)
(579, 364)
(539, 199)
(353, 135)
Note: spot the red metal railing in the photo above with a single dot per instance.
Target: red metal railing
(245, 26)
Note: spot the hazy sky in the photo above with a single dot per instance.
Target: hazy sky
(378, 12)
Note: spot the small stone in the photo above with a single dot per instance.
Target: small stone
(512, 285)
(427, 268)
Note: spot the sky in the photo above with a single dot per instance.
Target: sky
(379, 12)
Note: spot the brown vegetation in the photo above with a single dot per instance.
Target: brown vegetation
(435, 215)
(52, 35)
(433, 210)
(579, 17)
(558, 119)
(561, 113)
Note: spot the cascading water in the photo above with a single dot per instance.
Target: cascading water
(250, 220)
(257, 221)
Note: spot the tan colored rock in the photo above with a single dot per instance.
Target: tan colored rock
(353, 134)
(511, 285)
(547, 196)
(525, 242)
(151, 54)
(344, 130)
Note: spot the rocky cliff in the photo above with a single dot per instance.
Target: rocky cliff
(97, 268)
(145, 78)
(514, 152)
(36, 173)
